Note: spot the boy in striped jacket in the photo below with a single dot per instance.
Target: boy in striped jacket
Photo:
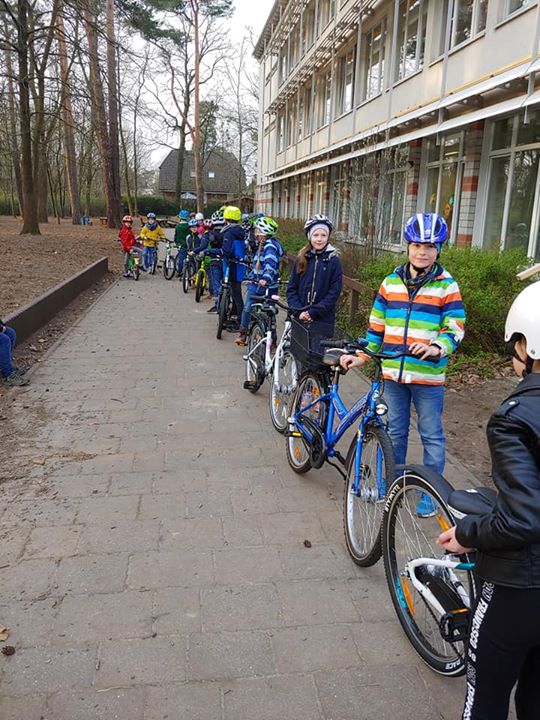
(418, 306)
(265, 271)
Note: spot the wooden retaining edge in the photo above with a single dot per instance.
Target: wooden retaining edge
(30, 318)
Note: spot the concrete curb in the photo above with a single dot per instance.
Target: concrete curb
(30, 318)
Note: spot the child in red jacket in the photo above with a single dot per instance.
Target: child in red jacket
(127, 240)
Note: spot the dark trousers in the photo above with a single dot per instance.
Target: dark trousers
(238, 301)
(504, 648)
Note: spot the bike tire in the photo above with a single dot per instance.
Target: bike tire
(416, 617)
(362, 516)
(223, 306)
(280, 397)
(298, 455)
(169, 267)
(185, 278)
(154, 264)
(199, 286)
(136, 272)
(255, 370)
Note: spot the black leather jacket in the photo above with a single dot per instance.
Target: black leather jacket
(508, 539)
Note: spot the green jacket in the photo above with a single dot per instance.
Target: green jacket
(181, 232)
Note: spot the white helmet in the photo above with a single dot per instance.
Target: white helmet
(524, 318)
(199, 216)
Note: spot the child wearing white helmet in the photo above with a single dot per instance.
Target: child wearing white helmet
(505, 647)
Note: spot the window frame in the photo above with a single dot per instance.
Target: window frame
(346, 59)
(474, 28)
(507, 13)
(367, 65)
(420, 53)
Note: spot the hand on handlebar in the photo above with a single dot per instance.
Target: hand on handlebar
(305, 316)
(422, 351)
(449, 542)
(349, 361)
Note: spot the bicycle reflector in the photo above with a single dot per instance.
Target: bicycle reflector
(381, 408)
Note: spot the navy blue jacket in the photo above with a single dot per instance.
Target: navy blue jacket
(234, 249)
(319, 286)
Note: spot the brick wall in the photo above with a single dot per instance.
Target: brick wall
(474, 136)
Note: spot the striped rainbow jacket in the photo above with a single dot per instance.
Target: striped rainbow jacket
(429, 311)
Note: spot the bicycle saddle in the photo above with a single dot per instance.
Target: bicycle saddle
(477, 501)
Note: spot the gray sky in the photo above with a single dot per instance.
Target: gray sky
(252, 13)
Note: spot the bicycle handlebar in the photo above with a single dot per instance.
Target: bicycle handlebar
(361, 345)
(288, 308)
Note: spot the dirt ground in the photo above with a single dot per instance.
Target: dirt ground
(31, 265)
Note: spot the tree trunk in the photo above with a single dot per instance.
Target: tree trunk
(180, 160)
(40, 166)
(195, 4)
(113, 217)
(12, 132)
(98, 103)
(30, 218)
(69, 136)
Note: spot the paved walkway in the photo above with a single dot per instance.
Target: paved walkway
(154, 563)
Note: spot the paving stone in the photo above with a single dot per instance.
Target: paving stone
(45, 542)
(141, 662)
(208, 502)
(383, 643)
(177, 611)
(43, 513)
(131, 483)
(247, 565)
(316, 602)
(84, 574)
(172, 483)
(224, 655)
(30, 707)
(315, 647)
(48, 669)
(202, 532)
(120, 536)
(83, 618)
(29, 623)
(114, 704)
(28, 579)
(107, 509)
(219, 478)
(189, 701)
(301, 499)
(286, 528)
(13, 540)
(242, 531)
(162, 507)
(371, 597)
(77, 486)
(240, 607)
(170, 569)
(316, 562)
(292, 697)
(256, 500)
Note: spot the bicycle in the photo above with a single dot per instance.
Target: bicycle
(312, 438)
(433, 593)
(189, 271)
(201, 278)
(224, 301)
(169, 262)
(134, 265)
(153, 255)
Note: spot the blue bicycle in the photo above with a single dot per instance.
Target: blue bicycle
(319, 419)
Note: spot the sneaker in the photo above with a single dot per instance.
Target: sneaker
(22, 369)
(233, 328)
(241, 341)
(126, 274)
(426, 507)
(213, 309)
(16, 379)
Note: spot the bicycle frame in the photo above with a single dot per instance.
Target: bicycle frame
(449, 564)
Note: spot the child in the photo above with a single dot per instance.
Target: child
(151, 234)
(234, 249)
(181, 231)
(127, 240)
(9, 373)
(265, 271)
(505, 647)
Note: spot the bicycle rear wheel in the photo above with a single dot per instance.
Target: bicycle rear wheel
(199, 285)
(363, 511)
(282, 388)
(223, 310)
(169, 267)
(310, 387)
(408, 535)
(153, 266)
(256, 348)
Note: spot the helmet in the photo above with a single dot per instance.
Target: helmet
(232, 213)
(183, 214)
(150, 216)
(207, 223)
(259, 215)
(193, 223)
(245, 217)
(199, 216)
(426, 228)
(523, 319)
(217, 218)
(265, 226)
(127, 218)
(317, 220)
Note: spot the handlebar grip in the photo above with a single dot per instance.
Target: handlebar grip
(332, 343)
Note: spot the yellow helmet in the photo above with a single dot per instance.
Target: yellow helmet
(232, 213)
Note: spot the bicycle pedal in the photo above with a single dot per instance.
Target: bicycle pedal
(249, 385)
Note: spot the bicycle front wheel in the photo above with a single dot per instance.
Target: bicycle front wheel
(282, 388)
(185, 277)
(199, 285)
(154, 263)
(256, 348)
(223, 310)
(409, 532)
(169, 267)
(363, 507)
(310, 387)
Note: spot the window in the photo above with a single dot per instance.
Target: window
(392, 195)
(300, 122)
(306, 125)
(468, 20)
(512, 6)
(283, 62)
(513, 198)
(291, 124)
(327, 10)
(411, 37)
(211, 174)
(280, 135)
(374, 43)
(324, 99)
(345, 80)
(444, 173)
(339, 187)
(294, 51)
(308, 26)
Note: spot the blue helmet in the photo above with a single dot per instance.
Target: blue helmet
(150, 216)
(183, 214)
(245, 217)
(193, 223)
(260, 215)
(428, 228)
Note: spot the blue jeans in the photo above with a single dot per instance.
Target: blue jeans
(148, 257)
(7, 345)
(215, 278)
(253, 293)
(429, 404)
(180, 259)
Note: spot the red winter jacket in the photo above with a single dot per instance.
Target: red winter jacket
(127, 238)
